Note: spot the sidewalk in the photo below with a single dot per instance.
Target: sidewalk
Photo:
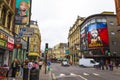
(43, 76)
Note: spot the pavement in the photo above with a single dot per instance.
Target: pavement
(45, 76)
(48, 76)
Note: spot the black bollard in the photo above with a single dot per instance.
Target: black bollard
(34, 74)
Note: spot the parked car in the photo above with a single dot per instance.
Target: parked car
(65, 63)
(87, 62)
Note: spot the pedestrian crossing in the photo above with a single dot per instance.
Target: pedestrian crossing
(80, 75)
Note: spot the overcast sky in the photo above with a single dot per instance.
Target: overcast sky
(55, 17)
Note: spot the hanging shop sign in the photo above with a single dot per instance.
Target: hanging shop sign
(10, 43)
(3, 36)
(10, 46)
(3, 43)
(18, 45)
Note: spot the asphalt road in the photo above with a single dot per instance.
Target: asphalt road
(75, 72)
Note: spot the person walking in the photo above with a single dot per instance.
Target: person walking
(111, 66)
(40, 64)
(48, 64)
(14, 67)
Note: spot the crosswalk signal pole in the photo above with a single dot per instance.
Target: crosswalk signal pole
(46, 51)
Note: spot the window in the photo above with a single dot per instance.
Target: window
(112, 33)
(3, 16)
(93, 21)
(111, 23)
(101, 20)
(114, 42)
(9, 21)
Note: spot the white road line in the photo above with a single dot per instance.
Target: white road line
(95, 74)
(85, 74)
(83, 77)
(62, 74)
(72, 74)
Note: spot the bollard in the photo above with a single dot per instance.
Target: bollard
(25, 73)
(34, 74)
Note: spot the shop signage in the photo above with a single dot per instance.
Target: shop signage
(10, 46)
(3, 43)
(10, 40)
(18, 45)
(3, 36)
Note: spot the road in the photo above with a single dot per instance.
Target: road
(75, 72)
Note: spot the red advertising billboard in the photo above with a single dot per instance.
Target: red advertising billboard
(97, 35)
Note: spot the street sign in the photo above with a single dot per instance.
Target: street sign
(17, 39)
(26, 31)
(30, 65)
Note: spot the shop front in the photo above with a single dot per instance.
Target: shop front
(6, 48)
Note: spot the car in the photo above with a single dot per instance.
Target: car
(65, 63)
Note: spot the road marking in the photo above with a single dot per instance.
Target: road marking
(82, 77)
(85, 74)
(95, 74)
(72, 74)
(62, 74)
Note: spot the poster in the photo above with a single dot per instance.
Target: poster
(97, 35)
(22, 12)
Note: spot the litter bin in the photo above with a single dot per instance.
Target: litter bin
(34, 74)
(25, 73)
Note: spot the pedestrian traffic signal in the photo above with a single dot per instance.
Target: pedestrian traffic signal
(46, 46)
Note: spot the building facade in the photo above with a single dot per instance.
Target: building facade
(7, 11)
(35, 41)
(74, 39)
(59, 50)
(99, 36)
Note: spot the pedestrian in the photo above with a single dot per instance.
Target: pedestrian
(14, 67)
(48, 65)
(106, 64)
(40, 64)
(25, 70)
(111, 66)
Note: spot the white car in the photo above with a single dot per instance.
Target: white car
(65, 63)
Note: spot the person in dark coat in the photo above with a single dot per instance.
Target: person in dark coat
(14, 67)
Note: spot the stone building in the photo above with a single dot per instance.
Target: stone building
(74, 39)
(7, 11)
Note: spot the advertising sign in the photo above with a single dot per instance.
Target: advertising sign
(10, 43)
(97, 35)
(10, 46)
(10, 40)
(3, 36)
(22, 12)
(3, 43)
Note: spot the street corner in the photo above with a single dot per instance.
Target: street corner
(53, 76)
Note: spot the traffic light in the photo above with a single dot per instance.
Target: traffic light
(46, 47)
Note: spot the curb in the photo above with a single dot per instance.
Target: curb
(53, 76)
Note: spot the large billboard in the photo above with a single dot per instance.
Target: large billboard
(97, 35)
(22, 12)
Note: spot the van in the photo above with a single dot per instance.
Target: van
(87, 62)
